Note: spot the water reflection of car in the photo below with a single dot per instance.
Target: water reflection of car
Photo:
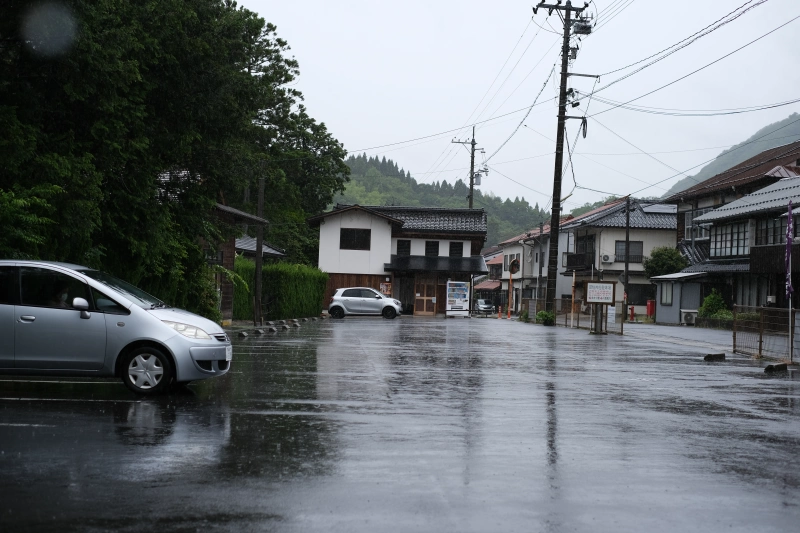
(362, 301)
(484, 306)
(70, 320)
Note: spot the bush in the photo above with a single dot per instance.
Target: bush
(713, 303)
(523, 316)
(723, 314)
(288, 291)
(546, 318)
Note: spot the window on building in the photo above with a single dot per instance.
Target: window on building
(564, 259)
(666, 293)
(354, 239)
(701, 230)
(773, 231)
(585, 244)
(637, 251)
(507, 260)
(536, 257)
(730, 239)
(432, 248)
(456, 249)
(403, 247)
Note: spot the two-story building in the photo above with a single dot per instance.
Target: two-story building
(595, 247)
(748, 176)
(408, 253)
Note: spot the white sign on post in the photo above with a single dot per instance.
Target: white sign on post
(599, 292)
(611, 313)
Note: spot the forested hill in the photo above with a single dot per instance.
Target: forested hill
(776, 134)
(376, 181)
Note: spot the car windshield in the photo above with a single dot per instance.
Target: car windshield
(134, 294)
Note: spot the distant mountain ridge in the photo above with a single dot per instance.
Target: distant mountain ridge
(776, 134)
(375, 181)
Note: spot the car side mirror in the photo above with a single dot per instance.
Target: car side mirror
(81, 305)
(378, 297)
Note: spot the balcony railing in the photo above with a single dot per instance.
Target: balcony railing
(633, 258)
(580, 261)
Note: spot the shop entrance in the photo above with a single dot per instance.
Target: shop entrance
(425, 295)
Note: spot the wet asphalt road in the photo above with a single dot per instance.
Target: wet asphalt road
(415, 425)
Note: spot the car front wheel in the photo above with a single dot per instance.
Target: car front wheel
(147, 371)
(389, 312)
(336, 312)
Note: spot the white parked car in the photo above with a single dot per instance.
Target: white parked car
(60, 319)
(363, 301)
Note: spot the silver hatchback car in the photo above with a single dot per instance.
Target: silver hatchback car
(68, 320)
(363, 301)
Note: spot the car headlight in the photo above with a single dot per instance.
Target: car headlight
(186, 330)
(396, 302)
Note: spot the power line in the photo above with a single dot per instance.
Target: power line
(694, 71)
(696, 113)
(526, 114)
(697, 33)
(712, 159)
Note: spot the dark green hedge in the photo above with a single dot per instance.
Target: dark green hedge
(289, 291)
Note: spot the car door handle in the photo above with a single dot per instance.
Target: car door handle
(27, 318)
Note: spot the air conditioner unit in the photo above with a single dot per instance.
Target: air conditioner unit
(770, 299)
(688, 317)
(606, 258)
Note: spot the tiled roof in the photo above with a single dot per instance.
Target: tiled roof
(248, 243)
(488, 285)
(724, 265)
(427, 219)
(534, 233)
(643, 216)
(497, 260)
(771, 198)
(745, 172)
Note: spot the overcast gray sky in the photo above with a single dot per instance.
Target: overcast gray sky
(378, 73)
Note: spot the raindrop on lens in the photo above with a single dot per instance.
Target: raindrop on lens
(49, 29)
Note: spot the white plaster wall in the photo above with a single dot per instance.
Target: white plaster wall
(650, 239)
(336, 261)
(418, 246)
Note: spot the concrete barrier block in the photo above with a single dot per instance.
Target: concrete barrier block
(284, 326)
(295, 324)
(258, 331)
(272, 329)
(777, 367)
(243, 334)
(714, 357)
(304, 320)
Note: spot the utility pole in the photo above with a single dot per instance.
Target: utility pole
(259, 255)
(627, 257)
(472, 144)
(552, 265)
(541, 263)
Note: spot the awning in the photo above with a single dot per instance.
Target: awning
(422, 263)
(488, 285)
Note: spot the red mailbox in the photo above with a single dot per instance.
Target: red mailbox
(651, 308)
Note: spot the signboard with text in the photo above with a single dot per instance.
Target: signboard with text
(600, 292)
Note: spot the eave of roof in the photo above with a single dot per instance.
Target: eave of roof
(317, 219)
(773, 197)
(241, 215)
(750, 170)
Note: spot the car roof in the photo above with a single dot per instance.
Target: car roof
(345, 288)
(23, 262)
